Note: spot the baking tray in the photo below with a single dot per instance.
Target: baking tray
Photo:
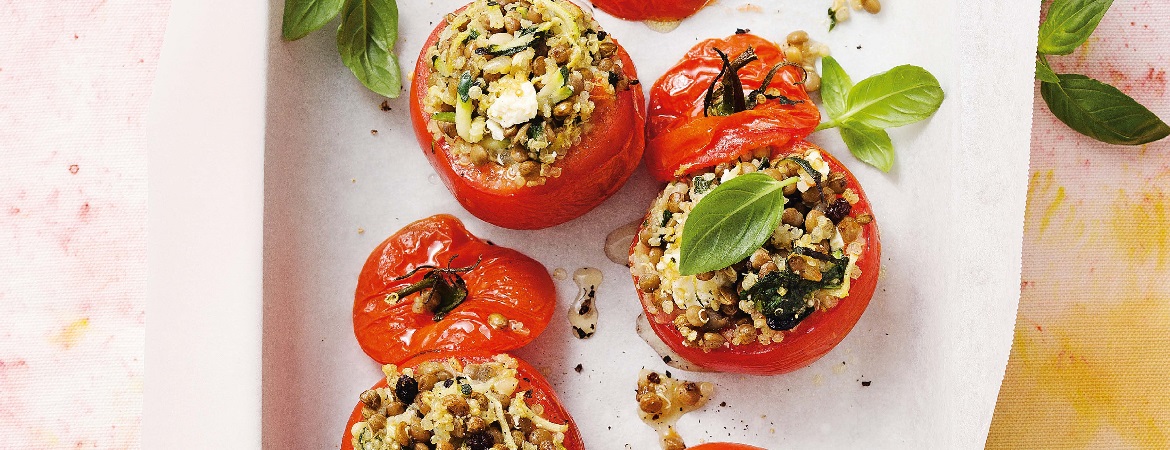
(340, 174)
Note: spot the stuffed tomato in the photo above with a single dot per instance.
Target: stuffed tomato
(725, 98)
(788, 303)
(465, 401)
(434, 286)
(531, 114)
(659, 10)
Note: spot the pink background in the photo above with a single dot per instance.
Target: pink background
(1087, 369)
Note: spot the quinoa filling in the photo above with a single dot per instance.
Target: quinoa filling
(804, 267)
(444, 405)
(513, 83)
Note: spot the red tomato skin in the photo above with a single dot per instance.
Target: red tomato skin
(542, 394)
(505, 281)
(723, 446)
(661, 10)
(813, 337)
(592, 171)
(680, 140)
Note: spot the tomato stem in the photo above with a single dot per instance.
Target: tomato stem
(729, 98)
(442, 288)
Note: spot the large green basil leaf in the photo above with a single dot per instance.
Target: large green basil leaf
(1101, 111)
(1069, 24)
(901, 96)
(731, 222)
(871, 145)
(835, 86)
(365, 40)
(302, 17)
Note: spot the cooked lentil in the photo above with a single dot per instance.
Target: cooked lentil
(800, 49)
(806, 266)
(663, 399)
(513, 84)
(446, 405)
(839, 12)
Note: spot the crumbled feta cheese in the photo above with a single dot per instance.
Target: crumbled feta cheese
(496, 129)
(749, 280)
(818, 163)
(514, 106)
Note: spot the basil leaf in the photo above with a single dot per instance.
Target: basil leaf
(365, 40)
(835, 86)
(901, 96)
(302, 17)
(871, 145)
(1101, 111)
(1044, 72)
(1069, 24)
(731, 222)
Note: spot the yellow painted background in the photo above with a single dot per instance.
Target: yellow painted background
(1090, 367)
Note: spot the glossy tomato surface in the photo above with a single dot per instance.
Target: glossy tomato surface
(593, 170)
(723, 446)
(505, 281)
(815, 335)
(530, 380)
(661, 10)
(682, 140)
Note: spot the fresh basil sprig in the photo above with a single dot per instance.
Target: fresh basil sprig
(365, 38)
(1088, 106)
(901, 96)
(731, 222)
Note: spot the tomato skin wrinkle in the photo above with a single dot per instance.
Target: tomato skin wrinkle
(504, 282)
(813, 337)
(681, 139)
(591, 171)
(541, 393)
(661, 10)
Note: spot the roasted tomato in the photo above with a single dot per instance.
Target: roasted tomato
(787, 304)
(660, 10)
(434, 286)
(723, 446)
(532, 117)
(700, 114)
(437, 380)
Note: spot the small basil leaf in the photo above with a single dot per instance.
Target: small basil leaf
(835, 86)
(366, 39)
(731, 222)
(1069, 24)
(302, 17)
(1044, 72)
(1101, 111)
(901, 96)
(871, 145)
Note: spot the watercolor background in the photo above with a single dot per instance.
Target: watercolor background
(1087, 370)
(1089, 365)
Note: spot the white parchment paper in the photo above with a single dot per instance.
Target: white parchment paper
(930, 349)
